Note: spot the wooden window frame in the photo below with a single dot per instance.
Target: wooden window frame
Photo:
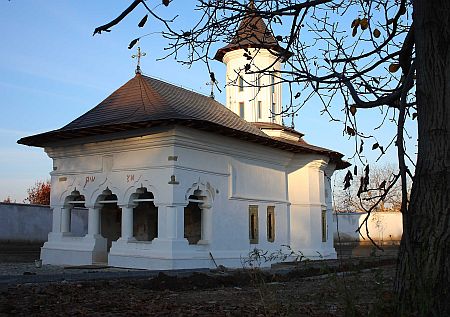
(253, 225)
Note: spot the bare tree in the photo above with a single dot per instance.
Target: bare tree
(392, 55)
(376, 197)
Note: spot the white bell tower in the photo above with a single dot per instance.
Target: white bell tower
(255, 97)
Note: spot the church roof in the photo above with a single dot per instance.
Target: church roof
(276, 126)
(145, 102)
(252, 33)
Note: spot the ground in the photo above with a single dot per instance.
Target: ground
(351, 287)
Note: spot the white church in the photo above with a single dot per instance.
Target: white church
(172, 179)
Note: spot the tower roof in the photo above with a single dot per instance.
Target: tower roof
(252, 33)
(144, 102)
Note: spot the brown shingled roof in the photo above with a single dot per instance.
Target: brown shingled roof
(144, 102)
(144, 99)
(252, 33)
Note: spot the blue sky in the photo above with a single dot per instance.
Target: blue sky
(52, 70)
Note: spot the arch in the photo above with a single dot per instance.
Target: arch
(94, 196)
(75, 195)
(193, 221)
(110, 216)
(197, 219)
(126, 198)
(145, 215)
(203, 191)
(73, 187)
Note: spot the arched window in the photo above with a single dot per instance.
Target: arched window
(145, 216)
(193, 220)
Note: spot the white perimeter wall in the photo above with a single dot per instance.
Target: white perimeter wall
(32, 223)
(383, 226)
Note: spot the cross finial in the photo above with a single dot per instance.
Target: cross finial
(138, 56)
(213, 82)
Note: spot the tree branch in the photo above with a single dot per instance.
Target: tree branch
(127, 11)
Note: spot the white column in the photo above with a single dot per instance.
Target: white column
(206, 224)
(94, 221)
(65, 219)
(56, 220)
(127, 222)
(175, 222)
(162, 227)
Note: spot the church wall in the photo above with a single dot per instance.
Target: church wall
(241, 174)
(307, 187)
(119, 164)
(232, 175)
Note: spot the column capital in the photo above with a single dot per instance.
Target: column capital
(173, 204)
(127, 205)
(94, 206)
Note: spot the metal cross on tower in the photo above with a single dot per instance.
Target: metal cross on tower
(138, 56)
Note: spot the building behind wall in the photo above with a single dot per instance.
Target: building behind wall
(170, 177)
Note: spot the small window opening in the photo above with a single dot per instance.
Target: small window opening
(253, 224)
(241, 110)
(259, 109)
(271, 223)
(241, 83)
(324, 225)
(273, 83)
(273, 111)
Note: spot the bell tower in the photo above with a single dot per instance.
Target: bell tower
(253, 59)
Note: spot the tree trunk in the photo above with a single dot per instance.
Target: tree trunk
(422, 281)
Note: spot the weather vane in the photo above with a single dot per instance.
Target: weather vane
(138, 56)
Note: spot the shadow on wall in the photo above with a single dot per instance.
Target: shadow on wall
(385, 228)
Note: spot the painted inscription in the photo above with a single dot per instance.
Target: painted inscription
(89, 179)
(130, 178)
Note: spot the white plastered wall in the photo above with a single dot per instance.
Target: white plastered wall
(307, 194)
(172, 164)
(262, 60)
